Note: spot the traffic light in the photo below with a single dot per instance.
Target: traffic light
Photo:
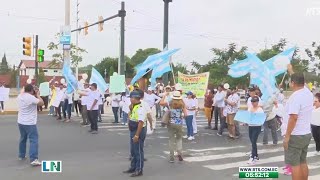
(100, 26)
(86, 24)
(40, 55)
(27, 46)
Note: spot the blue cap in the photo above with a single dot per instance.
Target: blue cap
(189, 93)
(135, 94)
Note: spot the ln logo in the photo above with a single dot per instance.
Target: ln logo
(51, 166)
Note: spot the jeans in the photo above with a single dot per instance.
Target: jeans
(137, 152)
(194, 124)
(58, 110)
(115, 111)
(120, 110)
(236, 124)
(67, 109)
(254, 132)
(46, 101)
(77, 106)
(2, 105)
(99, 112)
(93, 118)
(175, 139)
(316, 136)
(189, 125)
(272, 124)
(31, 132)
(125, 117)
(217, 115)
(84, 114)
(158, 111)
(223, 125)
(51, 111)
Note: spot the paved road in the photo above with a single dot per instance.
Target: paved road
(104, 156)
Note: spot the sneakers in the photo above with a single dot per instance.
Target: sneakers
(185, 137)
(180, 158)
(22, 158)
(94, 132)
(35, 162)
(219, 134)
(171, 160)
(251, 161)
(190, 138)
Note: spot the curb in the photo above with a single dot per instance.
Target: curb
(13, 112)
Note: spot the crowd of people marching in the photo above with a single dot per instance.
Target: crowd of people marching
(175, 107)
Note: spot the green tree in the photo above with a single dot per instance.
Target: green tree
(41, 76)
(142, 54)
(57, 58)
(108, 62)
(4, 67)
(218, 66)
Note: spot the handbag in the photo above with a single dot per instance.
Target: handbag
(166, 118)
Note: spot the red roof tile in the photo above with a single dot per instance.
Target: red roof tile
(44, 64)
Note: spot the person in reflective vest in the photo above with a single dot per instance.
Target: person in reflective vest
(137, 134)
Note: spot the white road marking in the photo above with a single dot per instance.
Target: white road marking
(244, 163)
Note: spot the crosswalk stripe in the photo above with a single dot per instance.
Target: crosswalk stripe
(244, 163)
(233, 155)
(215, 148)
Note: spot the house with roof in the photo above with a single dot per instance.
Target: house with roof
(27, 68)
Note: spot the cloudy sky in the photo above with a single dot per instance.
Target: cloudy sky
(195, 26)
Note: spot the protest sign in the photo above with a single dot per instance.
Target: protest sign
(250, 118)
(4, 94)
(197, 83)
(44, 89)
(117, 84)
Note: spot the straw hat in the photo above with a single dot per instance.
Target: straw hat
(176, 95)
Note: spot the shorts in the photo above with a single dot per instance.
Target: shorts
(297, 149)
(230, 118)
(207, 112)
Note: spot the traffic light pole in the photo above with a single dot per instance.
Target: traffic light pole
(122, 15)
(66, 53)
(36, 59)
(122, 62)
(166, 34)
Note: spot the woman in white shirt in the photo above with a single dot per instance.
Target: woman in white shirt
(315, 123)
(254, 131)
(125, 109)
(194, 120)
(191, 110)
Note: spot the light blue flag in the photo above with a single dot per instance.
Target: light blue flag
(250, 118)
(159, 71)
(98, 79)
(239, 68)
(72, 82)
(278, 64)
(151, 62)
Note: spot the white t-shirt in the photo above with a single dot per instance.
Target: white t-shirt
(84, 99)
(145, 106)
(126, 104)
(59, 97)
(190, 103)
(27, 106)
(301, 104)
(93, 95)
(315, 116)
(100, 102)
(249, 103)
(76, 96)
(151, 99)
(219, 99)
(115, 100)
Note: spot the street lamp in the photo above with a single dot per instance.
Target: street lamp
(166, 33)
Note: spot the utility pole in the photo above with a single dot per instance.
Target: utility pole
(77, 38)
(122, 62)
(166, 34)
(36, 59)
(66, 53)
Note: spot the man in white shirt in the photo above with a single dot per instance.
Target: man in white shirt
(84, 100)
(152, 100)
(58, 102)
(92, 107)
(219, 104)
(2, 98)
(27, 122)
(115, 103)
(298, 133)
